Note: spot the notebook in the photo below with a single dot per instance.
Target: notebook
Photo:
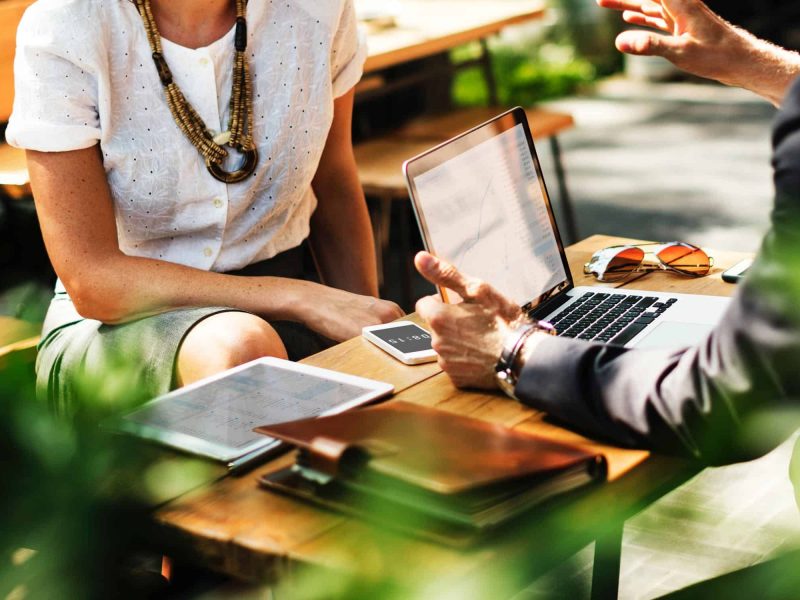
(482, 204)
(443, 475)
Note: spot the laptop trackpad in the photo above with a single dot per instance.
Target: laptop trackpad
(674, 334)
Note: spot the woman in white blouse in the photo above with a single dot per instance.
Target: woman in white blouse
(142, 234)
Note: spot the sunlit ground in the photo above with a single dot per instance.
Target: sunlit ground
(670, 161)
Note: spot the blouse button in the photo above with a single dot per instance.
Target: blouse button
(203, 61)
(207, 251)
(218, 203)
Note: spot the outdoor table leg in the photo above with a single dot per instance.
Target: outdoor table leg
(405, 254)
(563, 192)
(607, 554)
(488, 73)
(380, 217)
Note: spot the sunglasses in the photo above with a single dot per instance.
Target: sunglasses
(619, 262)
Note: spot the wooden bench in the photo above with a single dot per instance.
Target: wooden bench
(13, 172)
(18, 338)
(18, 341)
(379, 166)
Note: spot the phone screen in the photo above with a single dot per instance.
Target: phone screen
(406, 338)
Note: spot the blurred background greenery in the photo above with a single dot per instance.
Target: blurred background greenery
(565, 55)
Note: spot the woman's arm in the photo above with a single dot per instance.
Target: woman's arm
(76, 214)
(341, 235)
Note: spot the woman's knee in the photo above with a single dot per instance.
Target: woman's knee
(223, 341)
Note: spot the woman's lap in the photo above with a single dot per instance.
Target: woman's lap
(76, 352)
(86, 352)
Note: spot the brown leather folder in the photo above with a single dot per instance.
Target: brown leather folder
(403, 458)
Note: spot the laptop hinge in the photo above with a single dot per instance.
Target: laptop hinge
(548, 306)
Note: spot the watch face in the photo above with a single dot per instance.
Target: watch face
(406, 338)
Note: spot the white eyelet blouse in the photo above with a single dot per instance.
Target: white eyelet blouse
(84, 74)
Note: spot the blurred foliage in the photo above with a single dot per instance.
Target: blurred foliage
(590, 31)
(548, 61)
(77, 498)
(522, 80)
(27, 301)
(26, 285)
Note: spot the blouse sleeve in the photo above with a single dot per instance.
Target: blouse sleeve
(55, 88)
(348, 53)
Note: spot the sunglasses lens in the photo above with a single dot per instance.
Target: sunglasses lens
(686, 259)
(622, 264)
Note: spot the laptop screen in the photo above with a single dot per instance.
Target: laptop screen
(482, 205)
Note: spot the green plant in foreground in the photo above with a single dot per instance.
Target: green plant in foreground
(76, 498)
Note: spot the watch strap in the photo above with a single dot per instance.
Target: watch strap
(509, 365)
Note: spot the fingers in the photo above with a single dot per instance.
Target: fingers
(427, 307)
(637, 18)
(645, 43)
(644, 13)
(684, 7)
(470, 289)
(466, 340)
(441, 273)
(389, 311)
(646, 7)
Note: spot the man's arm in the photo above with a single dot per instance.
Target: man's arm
(699, 41)
(693, 401)
(698, 401)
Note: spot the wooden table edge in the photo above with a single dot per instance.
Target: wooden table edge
(430, 47)
(284, 556)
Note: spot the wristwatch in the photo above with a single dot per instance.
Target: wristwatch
(509, 365)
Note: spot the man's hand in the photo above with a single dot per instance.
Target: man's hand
(701, 42)
(467, 336)
(698, 40)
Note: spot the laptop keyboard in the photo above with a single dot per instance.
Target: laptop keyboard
(611, 318)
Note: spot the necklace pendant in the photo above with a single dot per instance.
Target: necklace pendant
(245, 168)
(222, 138)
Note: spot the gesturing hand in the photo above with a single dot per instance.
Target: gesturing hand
(467, 336)
(699, 41)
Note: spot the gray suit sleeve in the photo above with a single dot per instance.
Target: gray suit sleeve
(695, 401)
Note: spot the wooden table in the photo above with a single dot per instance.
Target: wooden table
(235, 527)
(425, 28)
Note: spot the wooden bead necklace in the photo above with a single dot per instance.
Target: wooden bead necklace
(240, 124)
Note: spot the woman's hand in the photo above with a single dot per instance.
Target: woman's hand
(340, 315)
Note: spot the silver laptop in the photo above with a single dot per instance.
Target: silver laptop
(481, 203)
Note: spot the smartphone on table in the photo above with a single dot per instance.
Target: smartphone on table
(406, 341)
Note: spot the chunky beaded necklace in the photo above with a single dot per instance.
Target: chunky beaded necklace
(240, 125)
